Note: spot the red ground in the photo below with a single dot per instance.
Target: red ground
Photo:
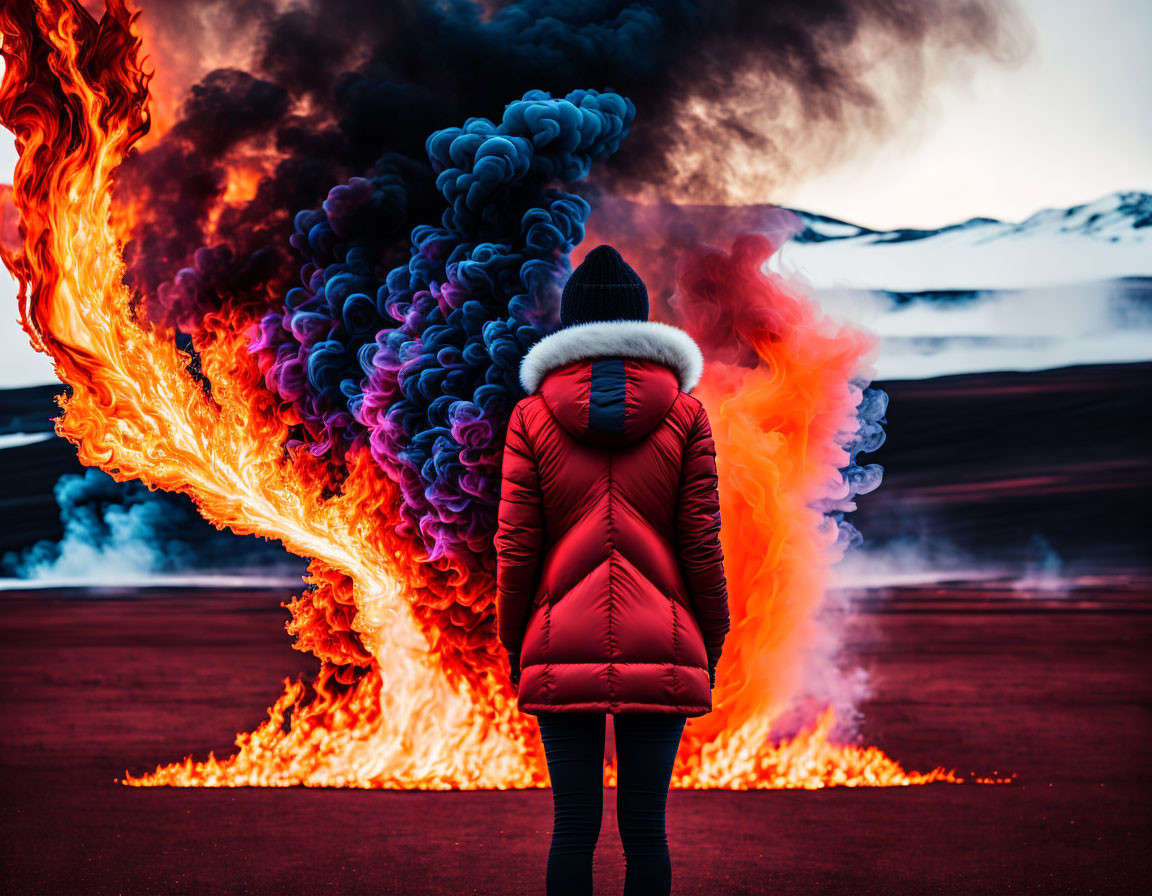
(1061, 697)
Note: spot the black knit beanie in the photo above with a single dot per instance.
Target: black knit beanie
(603, 287)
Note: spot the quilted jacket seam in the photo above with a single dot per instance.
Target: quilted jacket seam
(580, 581)
(619, 663)
(611, 568)
(648, 579)
(691, 709)
(549, 674)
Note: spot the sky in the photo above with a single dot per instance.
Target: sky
(1064, 127)
(1067, 126)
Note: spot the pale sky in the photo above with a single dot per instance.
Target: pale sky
(1066, 126)
(1069, 124)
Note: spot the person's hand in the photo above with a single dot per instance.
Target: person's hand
(712, 672)
(514, 667)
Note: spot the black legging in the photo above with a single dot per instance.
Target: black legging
(646, 745)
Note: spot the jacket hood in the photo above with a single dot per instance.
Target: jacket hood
(612, 382)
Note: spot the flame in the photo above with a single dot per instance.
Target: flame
(412, 690)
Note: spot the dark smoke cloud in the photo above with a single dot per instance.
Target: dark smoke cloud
(405, 325)
(732, 96)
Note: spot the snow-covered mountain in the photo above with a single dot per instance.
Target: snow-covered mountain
(1106, 239)
(1063, 286)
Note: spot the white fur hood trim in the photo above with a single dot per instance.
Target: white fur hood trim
(646, 339)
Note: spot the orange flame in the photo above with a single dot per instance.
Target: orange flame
(413, 689)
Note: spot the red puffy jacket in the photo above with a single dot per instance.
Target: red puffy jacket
(610, 576)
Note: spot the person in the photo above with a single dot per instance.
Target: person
(611, 595)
